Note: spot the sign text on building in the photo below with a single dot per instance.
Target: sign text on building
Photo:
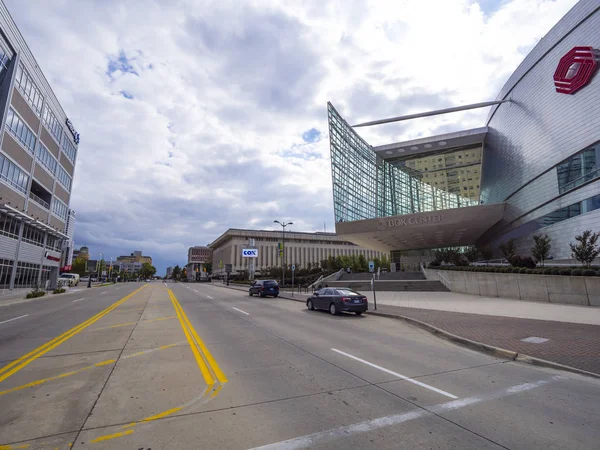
(250, 253)
(73, 131)
(384, 223)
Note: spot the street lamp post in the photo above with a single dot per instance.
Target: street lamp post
(101, 264)
(283, 225)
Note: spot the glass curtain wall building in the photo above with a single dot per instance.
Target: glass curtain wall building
(366, 186)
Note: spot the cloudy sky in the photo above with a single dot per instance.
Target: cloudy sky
(198, 116)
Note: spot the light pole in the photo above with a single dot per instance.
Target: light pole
(101, 261)
(283, 225)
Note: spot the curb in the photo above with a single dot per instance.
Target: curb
(474, 345)
(485, 348)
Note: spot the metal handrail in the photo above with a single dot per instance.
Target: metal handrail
(445, 281)
(39, 201)
(12, 183)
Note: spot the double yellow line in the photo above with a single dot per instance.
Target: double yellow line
(15, 366)
(208, 366)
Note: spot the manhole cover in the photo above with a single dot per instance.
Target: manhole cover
(534, 340)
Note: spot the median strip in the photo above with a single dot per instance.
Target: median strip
(15, 366)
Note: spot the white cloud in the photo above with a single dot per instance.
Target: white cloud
(192, 114)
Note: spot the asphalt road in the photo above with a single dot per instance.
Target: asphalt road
(201, 366)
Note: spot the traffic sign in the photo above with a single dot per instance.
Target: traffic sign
(293, 267)
(228, 268)
(220, 264)
(371, 266)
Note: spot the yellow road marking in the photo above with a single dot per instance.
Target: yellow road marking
(15, 366)
(154, 417)
(201, 363)
(12, 447)
(133, 323)
(111, 436)
(74, 372)
(209, 358)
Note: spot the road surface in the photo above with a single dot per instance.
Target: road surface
(188, 366)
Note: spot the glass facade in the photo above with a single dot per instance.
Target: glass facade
(365, 186)
(579, 169)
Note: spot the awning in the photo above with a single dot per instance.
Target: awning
(434, 229)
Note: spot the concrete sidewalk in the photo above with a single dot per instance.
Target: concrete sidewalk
(490, 306)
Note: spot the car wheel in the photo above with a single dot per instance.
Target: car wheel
(261, 295)
(358, 313)
(333, 309)
(250, 293)
(277, 295)
(309, 305)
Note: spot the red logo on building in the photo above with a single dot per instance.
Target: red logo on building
(575, 69)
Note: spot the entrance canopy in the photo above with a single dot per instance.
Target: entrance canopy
(433, 229)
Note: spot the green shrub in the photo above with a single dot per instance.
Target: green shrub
(59, 290)
(547, 271)
(35, 294)
(589, 273)
(576, 272)
(523, 270)
(530, 271)
(564, 272)
(516, 270)
(555, 271)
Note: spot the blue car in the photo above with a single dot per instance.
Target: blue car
(263, 288)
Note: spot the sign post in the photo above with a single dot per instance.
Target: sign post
(227, 272)
(293, 270)
(374, 295)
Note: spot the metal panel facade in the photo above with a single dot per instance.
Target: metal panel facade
(539, 129)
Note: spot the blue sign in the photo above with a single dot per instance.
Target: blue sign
(293, 267)
(250, 253)
(371, 266)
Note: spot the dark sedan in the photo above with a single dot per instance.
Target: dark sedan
(337, 300)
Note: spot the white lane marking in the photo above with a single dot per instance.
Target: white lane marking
(323, 437)
(243, 312)
(209, 297)
(79, 299)
(165, 284)
(14, 318)
(396, 374)
(195, 290)
(103, 292)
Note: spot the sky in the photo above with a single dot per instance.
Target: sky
(199, 116)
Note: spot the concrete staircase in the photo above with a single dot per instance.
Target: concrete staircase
(394, 281)
(387, 276)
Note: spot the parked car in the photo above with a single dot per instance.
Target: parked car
(336, 300)
(262, 288)
(69, 279)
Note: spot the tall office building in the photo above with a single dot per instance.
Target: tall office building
(38, 151)
(69, 244)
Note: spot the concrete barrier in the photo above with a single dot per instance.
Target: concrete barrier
(570, 290)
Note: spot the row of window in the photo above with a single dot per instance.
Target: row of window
(579, 169)
(52, 123)
(4, 59)
(29, 90)
(69, 148)
(59, 209)
(64, 178)
(568, 212)
(20, 130)
(45, 158)
(11, 174)
(9, 226)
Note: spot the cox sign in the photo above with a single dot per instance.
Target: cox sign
(250, 253)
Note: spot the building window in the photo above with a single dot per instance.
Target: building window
(6, 266)
(29, 90)
(64, 178)
(69, 148)
(59, 209)
(579, 169)
(53, 243)
(45, 158)
(568, 212)
(27, 274)
(9, 226)
(12, 175)
(20, 130)
(52, 123)
(33, 235)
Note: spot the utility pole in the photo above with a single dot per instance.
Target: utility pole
(283, 225)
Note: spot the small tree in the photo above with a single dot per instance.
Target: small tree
(586, 250)
(176, 272)
(541, 247)
(508, 249)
